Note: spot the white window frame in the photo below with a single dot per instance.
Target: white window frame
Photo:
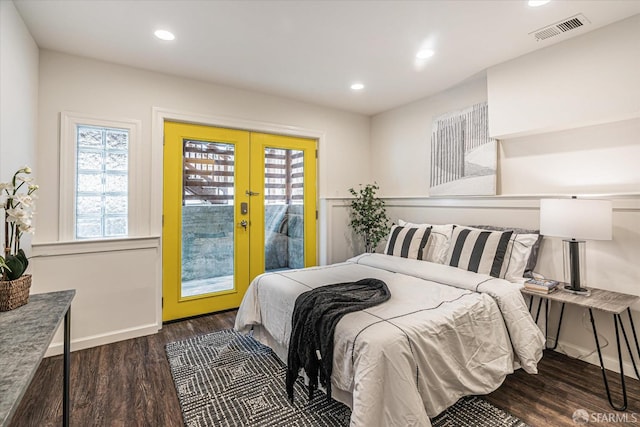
(69, 123)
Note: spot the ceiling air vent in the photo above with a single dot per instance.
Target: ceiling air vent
(561, 27)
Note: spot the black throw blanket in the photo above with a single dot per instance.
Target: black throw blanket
(315, 316)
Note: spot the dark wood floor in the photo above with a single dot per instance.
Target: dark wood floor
(129, 384)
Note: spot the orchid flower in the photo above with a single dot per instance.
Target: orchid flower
(18, 203)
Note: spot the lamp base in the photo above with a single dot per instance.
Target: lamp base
(579, 291)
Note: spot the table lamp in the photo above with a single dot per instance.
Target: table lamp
(576, 220)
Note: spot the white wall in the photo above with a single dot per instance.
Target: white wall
(546, 90)
(587, 160)
(18, 96)
(400, 139)
(120, 302)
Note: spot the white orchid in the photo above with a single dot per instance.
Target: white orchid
(24, 179)
(27, 228)
(26, 200)
(22, 221)
(18, 210)
(18, 214)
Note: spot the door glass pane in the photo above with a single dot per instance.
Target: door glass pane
(207, 217)
(284, 209)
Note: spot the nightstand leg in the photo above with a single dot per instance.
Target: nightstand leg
(538, 312)
(635, 337)
(626, 340)
(546, 320)
(633, 329)
(558, 331)
(604, 373)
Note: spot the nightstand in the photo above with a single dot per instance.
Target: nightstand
(610, 302)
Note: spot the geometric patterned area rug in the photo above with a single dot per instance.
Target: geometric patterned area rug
(228, 379)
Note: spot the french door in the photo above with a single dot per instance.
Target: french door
(235, 204)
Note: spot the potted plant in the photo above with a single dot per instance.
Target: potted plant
(17, 199)
(368, 216)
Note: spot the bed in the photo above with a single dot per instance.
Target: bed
(445, 333)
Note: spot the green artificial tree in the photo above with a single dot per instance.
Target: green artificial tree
(368, 216)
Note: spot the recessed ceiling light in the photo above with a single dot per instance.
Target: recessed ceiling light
(164, 35)
(425, 53)
(357, 86)
(536, 3)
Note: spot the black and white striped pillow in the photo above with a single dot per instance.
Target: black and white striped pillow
(480, 251)
(408, 242)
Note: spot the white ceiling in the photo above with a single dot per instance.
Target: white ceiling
(312, 50)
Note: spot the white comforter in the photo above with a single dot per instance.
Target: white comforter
(445, 333)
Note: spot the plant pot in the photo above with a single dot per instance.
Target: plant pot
(14, 293)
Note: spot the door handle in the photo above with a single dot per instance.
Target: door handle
(243, 224)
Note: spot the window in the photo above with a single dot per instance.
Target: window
(102, 164)
(96, 177)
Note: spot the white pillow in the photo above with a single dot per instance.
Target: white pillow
(528, 244)
(438, 243)
(407, 242)
(518, 253)
(481, 251)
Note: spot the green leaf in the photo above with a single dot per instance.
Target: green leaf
(23, 258)
(15, 266)
(368, 215)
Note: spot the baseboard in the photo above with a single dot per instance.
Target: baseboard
(590, 355)
(57, 348)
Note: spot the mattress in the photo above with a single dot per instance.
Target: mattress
(445, 333)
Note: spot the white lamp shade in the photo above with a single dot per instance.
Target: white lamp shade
(584, 219)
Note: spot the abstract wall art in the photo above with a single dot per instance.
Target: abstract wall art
(464, 158)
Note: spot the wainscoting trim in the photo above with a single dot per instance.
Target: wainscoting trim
(621, 202)
(94, 246)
